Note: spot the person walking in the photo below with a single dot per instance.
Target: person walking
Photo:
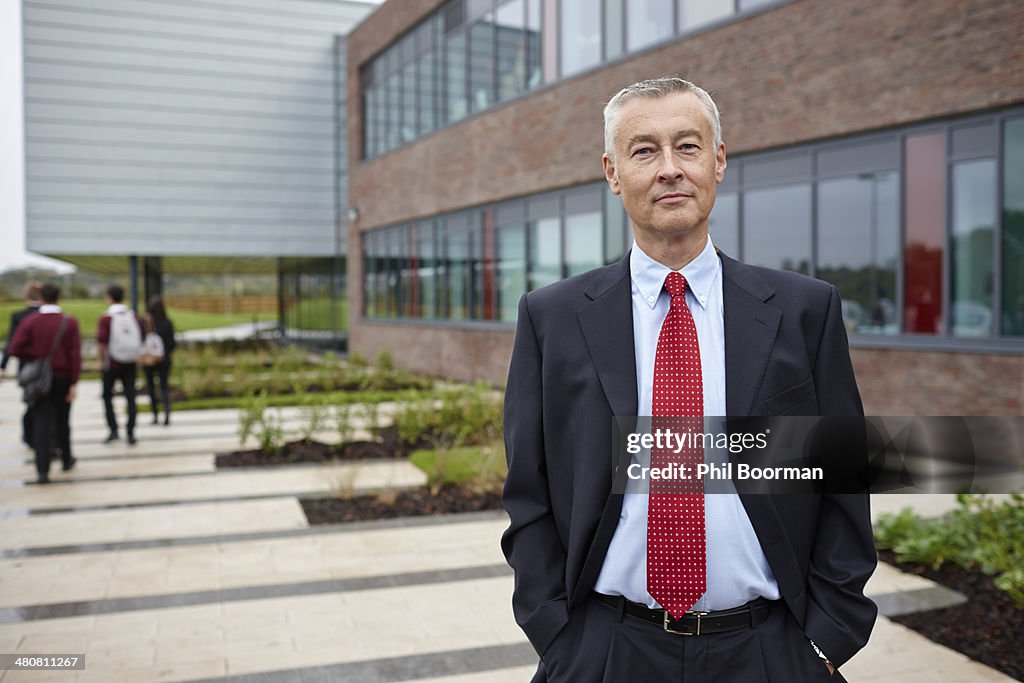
(53, 335)
(33, 300)
(120, 342)
(158, 323)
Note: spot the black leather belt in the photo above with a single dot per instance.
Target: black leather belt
(696, 623)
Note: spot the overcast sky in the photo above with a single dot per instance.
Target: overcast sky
(12, 159)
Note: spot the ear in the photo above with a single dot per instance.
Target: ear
(610, 174)
(720, 163)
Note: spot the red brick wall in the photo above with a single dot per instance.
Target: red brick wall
(807, 70)
(904, 382)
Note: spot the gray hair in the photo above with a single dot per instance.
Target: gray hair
(656, 87)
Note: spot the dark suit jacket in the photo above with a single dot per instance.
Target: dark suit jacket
(16, 319)
(573, 368)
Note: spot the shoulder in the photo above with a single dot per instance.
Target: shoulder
(569, 294)
(780, 287)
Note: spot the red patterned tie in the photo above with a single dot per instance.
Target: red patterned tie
(676, 541)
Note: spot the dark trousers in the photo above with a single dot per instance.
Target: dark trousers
(126, 374)
(160, 372)
(26, 426)
(51, 425)
(602, 645)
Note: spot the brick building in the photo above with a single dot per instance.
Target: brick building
(875, 144)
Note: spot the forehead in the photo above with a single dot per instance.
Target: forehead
(661, 116)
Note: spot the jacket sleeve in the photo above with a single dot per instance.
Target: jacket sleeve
(839, 616)
(531, 543)
(11, 329)
(21, 341)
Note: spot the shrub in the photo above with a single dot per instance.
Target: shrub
(314, 416)
(979, 534)
(466, 416)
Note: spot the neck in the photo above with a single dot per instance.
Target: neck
(674, 252)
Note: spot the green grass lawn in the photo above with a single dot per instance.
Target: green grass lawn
(88, 313)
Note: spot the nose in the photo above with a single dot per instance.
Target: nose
(668, 168)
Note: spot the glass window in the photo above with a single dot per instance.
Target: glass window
(752, 4)
(458, 243)
(481, 63)
(724, 224)
(455, 77)
(777, 227)
(647, 22)
(545, 237)
(427, 85)
(580, 32)
(369, 275)
(426, 263)
(696, 13)
(616, 227)
(1013, 228)
(511, 269)
(974, 220)
(510, 26)
(393, 111)
(858, 248)
(534, 63)
(582, 242)
(614, 23)
(925, 230)
(410, 124)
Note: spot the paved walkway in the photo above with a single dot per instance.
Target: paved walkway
(158, 567)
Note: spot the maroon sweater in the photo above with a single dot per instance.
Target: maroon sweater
(35, 336)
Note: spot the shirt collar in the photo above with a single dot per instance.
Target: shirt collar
(700, 273)
(117, 308)
(50, 308)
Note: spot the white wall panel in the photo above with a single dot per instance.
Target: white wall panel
(182, 127)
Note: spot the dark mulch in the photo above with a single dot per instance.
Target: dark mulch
(987, 628)
(387, 445)
(406, 503)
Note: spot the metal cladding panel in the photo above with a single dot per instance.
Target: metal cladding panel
(183, 127)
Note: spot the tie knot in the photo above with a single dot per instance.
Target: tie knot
(675, 284)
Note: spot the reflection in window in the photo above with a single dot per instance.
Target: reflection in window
(582, 242)
(410, 124)
(777, 227)
(427, 265)
(858, 248)
(1013, 228)
(545, 252)
(510, 25)
(724, 224)
(481, 63)
(647, 22)
(459, 274)
(580, 34)
(615, 228)
(974, 220)
(534, 66)
(455, 77)
(427, 84)
(511, 269)
(925, 230)
(696, 13)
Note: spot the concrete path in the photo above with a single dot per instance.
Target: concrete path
(158, 567)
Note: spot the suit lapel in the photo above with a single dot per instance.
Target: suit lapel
(750, 329)
(607, 324)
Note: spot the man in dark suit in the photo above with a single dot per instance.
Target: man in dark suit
(33, 300)
(771, 585)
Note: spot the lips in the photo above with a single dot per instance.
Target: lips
(673, 198)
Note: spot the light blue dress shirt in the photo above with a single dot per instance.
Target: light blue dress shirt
(737, 570)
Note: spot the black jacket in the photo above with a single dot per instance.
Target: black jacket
(16, 319)
(573, 369)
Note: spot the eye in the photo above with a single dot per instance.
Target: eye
(687, 147)
(643, 151)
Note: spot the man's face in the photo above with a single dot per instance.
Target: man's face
(666, 167)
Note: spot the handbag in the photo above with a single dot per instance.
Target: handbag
(152, 351)
(35, 377)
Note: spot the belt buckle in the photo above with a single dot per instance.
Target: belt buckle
(665, 621)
